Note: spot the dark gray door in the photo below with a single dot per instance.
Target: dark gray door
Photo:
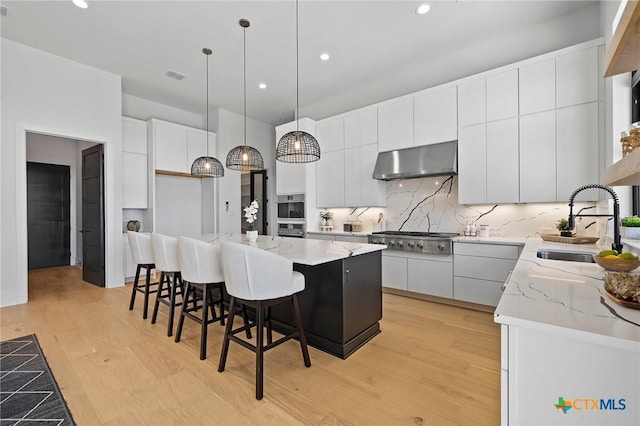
(259, 192)
(48, 208)
(93, 215)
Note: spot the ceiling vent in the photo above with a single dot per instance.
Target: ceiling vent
(4, 11)
(175, 74)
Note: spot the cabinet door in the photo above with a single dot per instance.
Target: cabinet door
(538, 157)
(171, 148)
(472, 164)
(577, 150)
(435, 117)
(577, 77)
(330, 134)
(134, 181)
(196, 146)
(373, 192)
(477, 291)
(290, 178)
(394, 272)
(537, 87)
(472, 103)
(395, 125)
(129, 267)
(368, 126)
(134, 135)
(352, 131)
(330, 179)
(503, 178)
(502, 95)
(352, 177)
(429, 277)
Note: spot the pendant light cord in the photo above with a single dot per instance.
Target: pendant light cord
(207, 107)
(297, 71)
(244, 89)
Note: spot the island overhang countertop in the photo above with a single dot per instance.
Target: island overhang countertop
(300, 250)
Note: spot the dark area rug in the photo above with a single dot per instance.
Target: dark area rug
(29, 395)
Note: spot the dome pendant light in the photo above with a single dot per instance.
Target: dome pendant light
(297, 146)
(245, 158)
(207, 166)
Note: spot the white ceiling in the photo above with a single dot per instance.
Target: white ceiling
(379, 49)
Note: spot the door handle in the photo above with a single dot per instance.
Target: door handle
(347, 276)
(504, 284)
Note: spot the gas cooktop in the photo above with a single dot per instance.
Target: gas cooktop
(418, 234)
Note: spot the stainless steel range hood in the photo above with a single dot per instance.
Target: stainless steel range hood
(439, 159)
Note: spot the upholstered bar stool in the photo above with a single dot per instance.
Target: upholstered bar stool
(201, 272)
(142, 255)
(260, 279)
(165, 253)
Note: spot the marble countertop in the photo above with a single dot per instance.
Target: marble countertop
(566, 298)
(301, 250)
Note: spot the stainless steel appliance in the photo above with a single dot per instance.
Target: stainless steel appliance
(419, 242)
(291, 229)
(440, 159)
(291, 206)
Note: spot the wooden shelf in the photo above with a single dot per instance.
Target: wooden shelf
(625, 171)
(170, 173)
(624, 50)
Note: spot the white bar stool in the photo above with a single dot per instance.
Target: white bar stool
(165, 253)
(201, 270)
(260, 279)
(142, 255)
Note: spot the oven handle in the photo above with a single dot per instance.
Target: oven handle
(504, 284)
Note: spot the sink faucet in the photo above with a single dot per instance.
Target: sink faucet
(617, 243)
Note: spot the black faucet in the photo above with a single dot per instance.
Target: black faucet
(617, 243)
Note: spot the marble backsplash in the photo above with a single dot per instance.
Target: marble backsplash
(431, 205)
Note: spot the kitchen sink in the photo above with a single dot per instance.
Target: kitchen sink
(566, 255)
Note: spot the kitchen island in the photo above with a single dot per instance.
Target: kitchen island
(570, 354)
(341, 305)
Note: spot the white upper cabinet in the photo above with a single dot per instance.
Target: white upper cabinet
(577, 76)
(577, 133)
(435, 116)
(170, 147)
(330, 179)
(134, 181)
(352, 178)
(472, 102)
(361, 128)
(395, 125)
(537, 87)
(196, 146)
(472, 164)
(538, 157)
(503, 180)
(134, 135)
(502, 95)
(330, 134)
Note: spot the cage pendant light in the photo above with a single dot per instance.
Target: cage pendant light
(297, 146)
(243, 157)
(207, 166)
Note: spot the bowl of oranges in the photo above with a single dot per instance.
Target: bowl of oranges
(610, 260)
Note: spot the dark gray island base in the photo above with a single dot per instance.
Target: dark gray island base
(340, 305)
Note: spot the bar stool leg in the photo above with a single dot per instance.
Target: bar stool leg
(303, 338)
(227, 333)
(135, 288)
(245, 318)
(146, 292)
(172, 302)
(187, 290)
(154, 316)
(269, 329)
(206, 296)
(259, 348)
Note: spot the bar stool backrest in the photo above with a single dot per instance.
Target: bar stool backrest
(140, 245)
(199, 261)
(255, 274)
(165, 252)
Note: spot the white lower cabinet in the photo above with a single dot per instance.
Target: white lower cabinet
(480, 269)
(129, 267)
(419, 273)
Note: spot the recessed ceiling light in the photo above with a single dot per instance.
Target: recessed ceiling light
(262, 86)
(324, 56)
(82, 4)
(422, 9)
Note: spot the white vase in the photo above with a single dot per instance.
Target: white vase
(630, 232)
(252, 235)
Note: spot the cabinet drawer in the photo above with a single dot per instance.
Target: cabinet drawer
(483, 268)
(477, 291)
(394, 272)
(487, 250)
(428, 277)
(351, 238)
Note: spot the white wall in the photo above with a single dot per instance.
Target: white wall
(230, 134)
(143, 109)
(44, 93)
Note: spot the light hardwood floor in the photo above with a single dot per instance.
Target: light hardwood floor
(432, 364)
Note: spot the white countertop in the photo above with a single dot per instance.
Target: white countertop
(301, 250)
(566, 298)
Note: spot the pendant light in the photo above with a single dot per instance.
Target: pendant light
(207, 166)
(245, 158)
(297, 146)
